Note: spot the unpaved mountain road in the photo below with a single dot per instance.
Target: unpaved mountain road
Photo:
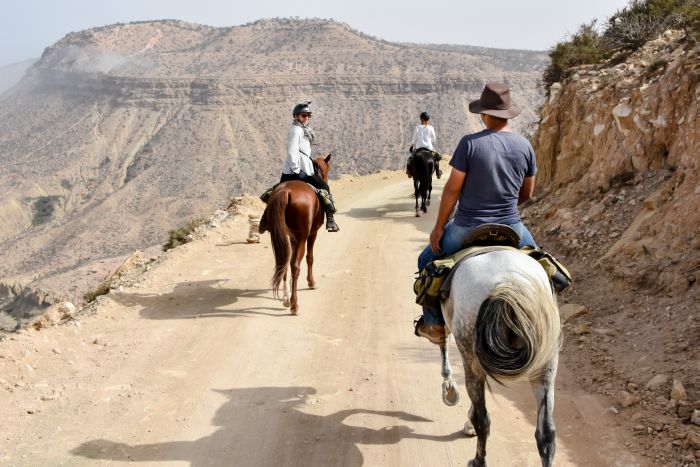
(199, 366)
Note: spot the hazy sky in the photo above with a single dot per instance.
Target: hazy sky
(28, 26)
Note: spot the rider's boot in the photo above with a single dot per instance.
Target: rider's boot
(408, 167)
(437, 158)
(329, 204)
(435, 333)
(331, 226)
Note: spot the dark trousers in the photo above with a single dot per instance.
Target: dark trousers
(315, 180)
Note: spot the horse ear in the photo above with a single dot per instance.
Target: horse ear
(328, 157)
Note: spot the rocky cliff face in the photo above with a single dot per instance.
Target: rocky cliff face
(119, 134)
(619, 157)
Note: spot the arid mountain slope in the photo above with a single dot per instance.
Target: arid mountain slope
(121, 133)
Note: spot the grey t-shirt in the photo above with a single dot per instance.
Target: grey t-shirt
(496, 163)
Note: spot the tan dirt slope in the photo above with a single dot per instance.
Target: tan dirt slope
(197, 364)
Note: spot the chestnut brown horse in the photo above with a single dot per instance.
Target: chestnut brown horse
(293, 216)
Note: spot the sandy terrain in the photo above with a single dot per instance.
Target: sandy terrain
(199, 365)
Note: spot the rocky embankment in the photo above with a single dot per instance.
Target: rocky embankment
(619, 200)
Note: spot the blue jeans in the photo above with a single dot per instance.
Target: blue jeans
(451, 243)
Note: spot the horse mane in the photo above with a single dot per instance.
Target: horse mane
(517, 329)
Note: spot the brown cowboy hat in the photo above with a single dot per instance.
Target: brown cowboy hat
(495, 101)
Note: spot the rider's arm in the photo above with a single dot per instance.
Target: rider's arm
(450, 196)
(293, 153)
(526, 189)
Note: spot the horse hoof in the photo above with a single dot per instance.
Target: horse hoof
(450, 395)
(469, 429)
(286, 303)
(312, 285)
(475, 463)
(427, 203)
(417, 214)
(294, 311)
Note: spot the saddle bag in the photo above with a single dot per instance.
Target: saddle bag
(559, 276)
(428, 283)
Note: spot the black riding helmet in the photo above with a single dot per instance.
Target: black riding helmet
(302, 108)
(425, 116)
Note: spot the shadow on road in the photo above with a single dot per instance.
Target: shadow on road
(202, 299)
(266, 426)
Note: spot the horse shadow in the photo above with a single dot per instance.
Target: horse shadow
(201, 299)
(267, 426)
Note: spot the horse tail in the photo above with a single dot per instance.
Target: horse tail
(279, 233)
(424, 181)
(517, 329)
(423, 170)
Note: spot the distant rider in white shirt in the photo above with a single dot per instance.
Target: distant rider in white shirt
(423, 138)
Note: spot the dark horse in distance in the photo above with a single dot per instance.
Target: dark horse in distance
(421, 169)
(293, 216)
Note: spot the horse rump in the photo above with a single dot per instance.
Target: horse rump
(517, 330)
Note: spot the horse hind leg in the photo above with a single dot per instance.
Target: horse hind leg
(415, 195)
(310, 261)
(295, 265)
(479, 422)
(285, 289)
(545, 434)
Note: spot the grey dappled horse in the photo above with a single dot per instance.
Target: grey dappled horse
(422, 168)
(504, 317)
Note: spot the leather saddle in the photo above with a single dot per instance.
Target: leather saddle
(492, 235)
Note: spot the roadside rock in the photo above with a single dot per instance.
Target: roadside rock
(628, 400)
(656, 382)
(678, 391)
(571, 311)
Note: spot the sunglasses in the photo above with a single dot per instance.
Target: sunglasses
(305, 115)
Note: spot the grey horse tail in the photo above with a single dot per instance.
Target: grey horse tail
(517, 330)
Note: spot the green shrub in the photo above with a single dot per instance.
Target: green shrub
(584, 47)
(181, 235)
(623, 33)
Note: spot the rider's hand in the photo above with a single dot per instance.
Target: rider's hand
(435, 237)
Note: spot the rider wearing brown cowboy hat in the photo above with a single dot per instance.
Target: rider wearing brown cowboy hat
(492, 172)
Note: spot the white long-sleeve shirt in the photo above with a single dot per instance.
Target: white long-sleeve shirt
(295, 160)
(423, 137)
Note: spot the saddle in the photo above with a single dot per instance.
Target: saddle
(434, 282)
(323, 195)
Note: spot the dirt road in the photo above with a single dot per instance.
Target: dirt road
(199, 366)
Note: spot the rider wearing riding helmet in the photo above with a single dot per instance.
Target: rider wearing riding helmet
(298, 164)
(423, 138)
